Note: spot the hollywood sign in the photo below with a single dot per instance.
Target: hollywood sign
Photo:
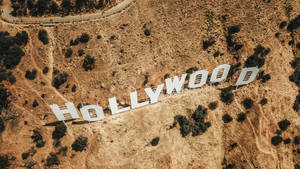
(196, 80)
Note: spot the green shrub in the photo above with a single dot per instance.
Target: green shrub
(80, 144)
(52, 160)
(59, 131)
(43, 37)
(4, 162)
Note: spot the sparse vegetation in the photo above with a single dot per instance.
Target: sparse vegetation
(80, 143)
(233, 46)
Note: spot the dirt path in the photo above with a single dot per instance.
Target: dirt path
(68, 19)
(50, 52)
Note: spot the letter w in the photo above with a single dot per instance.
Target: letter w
(175, 84)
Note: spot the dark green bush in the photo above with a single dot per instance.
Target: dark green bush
(30, 75)
(60, 79)
(38, 138)
(247, 103)
(284, 124)
(43, 36)
(59, 131)
(4, 162)
(69, 53)
(88, 63)
(154, 142)
(52, 160)
(80, 143)
(4, 101)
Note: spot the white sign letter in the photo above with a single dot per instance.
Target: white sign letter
(178, 85)
(69, 110)
(215, 75)
(247, 76)
(114, 106)
(134, 101)
(196, 74)
(87, 116)
(154, 96)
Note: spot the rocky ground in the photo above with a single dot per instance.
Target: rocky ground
(216, 126)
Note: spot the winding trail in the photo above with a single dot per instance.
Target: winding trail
(67, 19)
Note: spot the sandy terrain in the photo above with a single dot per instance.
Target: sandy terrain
(124, 55)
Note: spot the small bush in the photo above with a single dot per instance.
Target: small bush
(80, 144)
(207, 43)
(258, 58)
(2, 125)
(4, 162)
(276, 140)
(88, 63)
(35, 103)
(45, 70)
(74, 88)
(297, 140)
(287, 141)
(227, 95)
(80, 52)
(282, 24)
(241, 117)
(69, 53)
(213, 105)
(227, 118)
(234, 29)
(294, 24)
(43, 36)
(38, 138)
(52, 160)
(25, 155)
(147, 32)
(284, 124)
(30, 75)
(59, 131)
(263, 101)
(84, 38)
(154, 142)
(60, 79)
(4, 101)
(247, 103)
